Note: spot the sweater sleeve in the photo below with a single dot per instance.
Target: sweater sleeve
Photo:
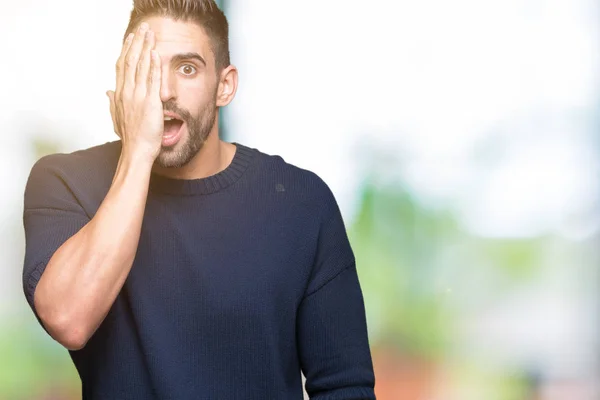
(51, 215)
(331, 324)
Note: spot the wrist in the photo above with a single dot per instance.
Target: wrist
(134, 165)
(136, 155)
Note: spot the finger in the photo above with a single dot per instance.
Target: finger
(155, 74)
(120, 66)
(113, 115)
(143, 67)
(133, 56)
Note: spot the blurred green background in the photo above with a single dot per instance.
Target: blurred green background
(460, 139)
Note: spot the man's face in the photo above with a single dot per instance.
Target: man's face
(188, 88)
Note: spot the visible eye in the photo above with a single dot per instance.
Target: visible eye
(187, 69)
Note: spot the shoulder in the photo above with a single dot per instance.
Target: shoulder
(303, 184)
(82, 173)
(101, 156)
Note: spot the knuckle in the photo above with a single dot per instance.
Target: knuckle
(131, 61)
(142, 67)
(127, 96)
(140, 94)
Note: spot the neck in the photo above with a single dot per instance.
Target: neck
(214, 156)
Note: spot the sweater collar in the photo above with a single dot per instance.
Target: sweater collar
(188, 187)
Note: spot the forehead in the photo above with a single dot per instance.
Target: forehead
(174, 37)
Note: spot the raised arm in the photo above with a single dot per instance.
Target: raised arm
(72, 291)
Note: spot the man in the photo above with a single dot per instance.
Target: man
(174, 265)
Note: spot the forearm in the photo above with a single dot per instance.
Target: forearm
(85, 275)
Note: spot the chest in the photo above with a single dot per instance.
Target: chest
(212, 259)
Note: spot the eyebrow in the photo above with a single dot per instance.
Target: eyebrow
(187, 56)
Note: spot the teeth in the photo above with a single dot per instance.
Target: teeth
(168, 119)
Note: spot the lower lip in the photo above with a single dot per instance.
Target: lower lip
(172, 139)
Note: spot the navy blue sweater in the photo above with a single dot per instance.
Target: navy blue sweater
(241, 281)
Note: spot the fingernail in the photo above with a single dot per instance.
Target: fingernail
(143, 26)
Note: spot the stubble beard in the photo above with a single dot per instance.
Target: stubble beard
(198, 129)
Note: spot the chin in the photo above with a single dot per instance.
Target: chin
(172, 156)
(178, 155)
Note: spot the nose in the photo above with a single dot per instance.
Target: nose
(167, 90)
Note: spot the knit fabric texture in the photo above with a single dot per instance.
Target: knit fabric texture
(241, 281)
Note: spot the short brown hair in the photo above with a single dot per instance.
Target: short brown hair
(205, 13)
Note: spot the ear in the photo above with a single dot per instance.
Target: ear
(227, 86)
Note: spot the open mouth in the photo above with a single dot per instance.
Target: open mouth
(172, 131)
